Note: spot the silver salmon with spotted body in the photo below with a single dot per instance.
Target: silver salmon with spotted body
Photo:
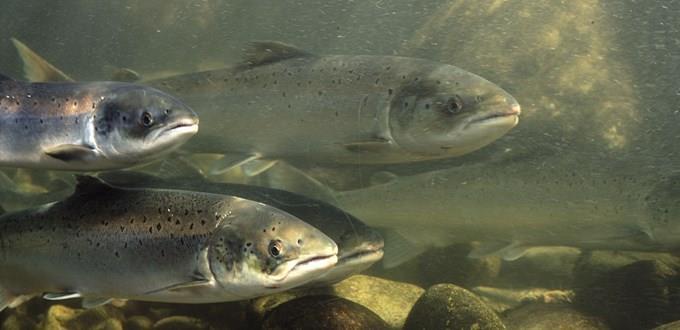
(88, 126)
(159, 245)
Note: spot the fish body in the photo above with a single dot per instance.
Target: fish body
(359, 246)
(88, 126)
(156, 245)
(285, 103)
(509, 206)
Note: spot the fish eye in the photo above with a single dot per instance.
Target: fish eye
(275, 248)
(147, 119)
(454, 105)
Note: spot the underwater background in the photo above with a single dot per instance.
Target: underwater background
(599, 86)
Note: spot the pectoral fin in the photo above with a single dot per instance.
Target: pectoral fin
(509, 252)
(398, 249)
(229, 162)
(71, 152)
(61, 295)
(92, 302)
(197, 283)
(372, 145)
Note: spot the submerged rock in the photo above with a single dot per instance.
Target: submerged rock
(669, 326)
(446, 306)
(460, 269)
(61, 317)
(18, 322)
(390, 300)
(138, 322)
(322, 312)
(538, 316)
(181, 323)
(641, 295)
(591, 266)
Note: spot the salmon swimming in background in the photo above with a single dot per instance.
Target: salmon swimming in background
(285, 103)
(175, 246)
(88, 126)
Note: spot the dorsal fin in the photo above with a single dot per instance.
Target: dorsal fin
(265, 52)
(86, 184)
(36, 68)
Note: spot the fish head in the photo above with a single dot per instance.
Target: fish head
(450, 112)
(359, 247)
(134, 124)
(258, 249)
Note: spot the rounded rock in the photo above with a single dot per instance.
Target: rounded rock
(447, 306)
(322, 312)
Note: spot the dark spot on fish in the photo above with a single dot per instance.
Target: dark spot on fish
(403, 77)
(405, 104)
(202, 222)
(35, 103)
(41, 121)
(289, 106)
(415, 79)
(427, 105)
(377, 81)
(390, 91)
(186, 211)
(320, 93)
(162, 253)
(117, 254)
(178, 222)
(25, 126)
(54, 100)
(191, 226)
(283, 94)
(76, 120)
(388, 68)
(299, 84)
(75, 103)
(276, 82)
(158, 227)
(98, 244)
(150, 229)
(126, 245)
(273, 228)
(58, 105)
(309, 82)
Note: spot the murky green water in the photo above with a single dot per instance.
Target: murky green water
(571, 217)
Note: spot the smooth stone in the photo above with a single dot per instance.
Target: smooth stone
(57, 316)
(459, 268)
(447, 306)
(669, 326)
(322, 312)
(641, 295)
(110, 324)
(18, 322)
(546, 267)
(537, 316)
(592, 265)
(179, 322)
(391, 300)
(138, 322)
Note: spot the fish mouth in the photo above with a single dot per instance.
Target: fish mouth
(360, 257)
(499, 117)
(182, 127)
(311, 267)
